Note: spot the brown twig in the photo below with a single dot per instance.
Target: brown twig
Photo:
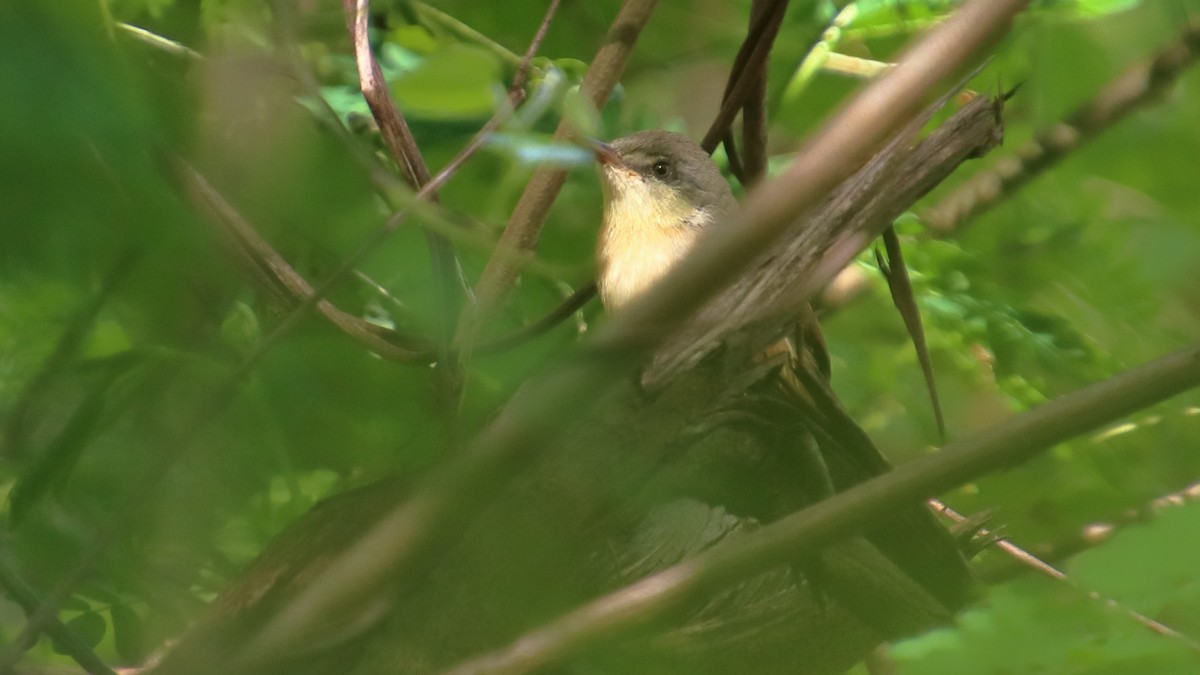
(1132, 89)
(748, 66)
(518, 82)
(272, 270)
(516, 95)
(1030, 561)
(385, 182)
(1095, 534)
(568, 307)
(525, 224)
(392, 126)
(405, 542)
(404, 149)
(1001, 447)
(754, 110)
(389, 344)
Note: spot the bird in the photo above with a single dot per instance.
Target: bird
(561, 534)
(661, 193)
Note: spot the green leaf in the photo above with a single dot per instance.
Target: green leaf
(459, 82)
(89, 627)
(580, 113)
(1165, 551)
(415, 38)
(128, 633)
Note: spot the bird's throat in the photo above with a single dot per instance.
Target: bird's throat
(643, 236)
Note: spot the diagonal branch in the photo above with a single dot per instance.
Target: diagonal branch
(1137, 86)
(392, 126)
(1001, 447)
(388, 344)
(272, 271)
(748, 66)
(20, 592)
(754, 109)
(1029, 561)
(524, 227)
(406, 542)
(404, 149)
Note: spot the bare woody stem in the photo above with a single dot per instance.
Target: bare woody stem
(272, 271)
(1029, 561)
(404, 149)
(754, 108)
(262, 257)
(524, 227)
(748, 67)
(1137, 86)
(392, 125)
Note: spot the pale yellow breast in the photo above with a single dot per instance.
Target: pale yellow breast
(642, 237)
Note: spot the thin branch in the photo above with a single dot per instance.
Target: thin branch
(64, 637)
(392, 125)
(518, 82)
(524, 227)
(1030, 561)
(754, 110)
(462, 31)
(12, 430)
(385, 182)
(405, 542)
(388, 344)
(1001, 447)
(271, 270)
(278, 274)
(404, 149)
(749, 63)
(568, 307)
(1137, 86)
(1094, 534)
(516, 95)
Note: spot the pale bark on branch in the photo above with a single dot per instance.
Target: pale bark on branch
(1137, 86)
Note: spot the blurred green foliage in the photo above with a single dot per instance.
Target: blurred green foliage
(123, 315)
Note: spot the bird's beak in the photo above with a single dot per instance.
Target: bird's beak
(605, 154)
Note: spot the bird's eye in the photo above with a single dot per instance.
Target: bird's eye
(661, 168)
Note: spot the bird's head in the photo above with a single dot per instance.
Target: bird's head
(660, 190)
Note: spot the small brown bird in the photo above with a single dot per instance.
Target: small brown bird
(661, 190)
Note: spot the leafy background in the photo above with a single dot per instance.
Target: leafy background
(121, 314)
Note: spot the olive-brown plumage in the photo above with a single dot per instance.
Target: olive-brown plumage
(661, 190)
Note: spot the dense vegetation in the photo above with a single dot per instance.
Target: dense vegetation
(163, 416)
